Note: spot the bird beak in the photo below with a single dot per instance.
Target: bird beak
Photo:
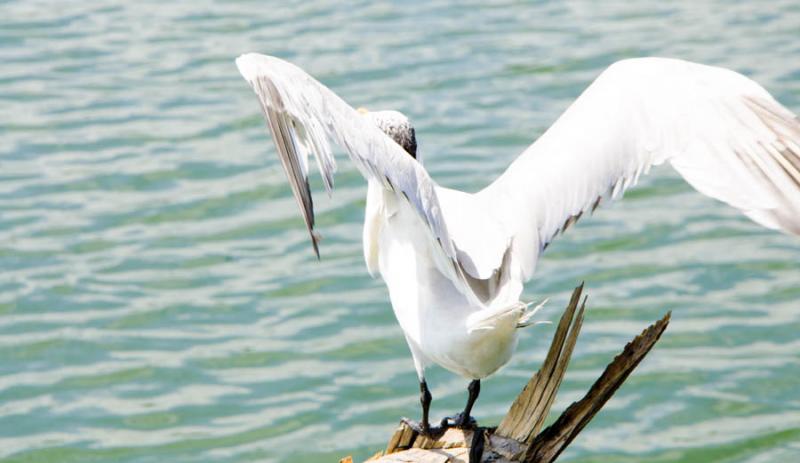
(362, 110)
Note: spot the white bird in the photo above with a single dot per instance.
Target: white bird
(455, 262)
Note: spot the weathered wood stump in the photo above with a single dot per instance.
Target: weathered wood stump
(519, 438)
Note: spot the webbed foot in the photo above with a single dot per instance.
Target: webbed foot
(461, 421)
(424, 428)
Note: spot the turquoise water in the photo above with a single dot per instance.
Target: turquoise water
(159, 300)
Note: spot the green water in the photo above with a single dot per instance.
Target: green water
(159, 300)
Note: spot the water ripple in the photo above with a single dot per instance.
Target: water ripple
(159, 298)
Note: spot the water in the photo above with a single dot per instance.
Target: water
(159, 300)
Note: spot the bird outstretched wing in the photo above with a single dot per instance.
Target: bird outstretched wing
(304, 115)
(726, 135)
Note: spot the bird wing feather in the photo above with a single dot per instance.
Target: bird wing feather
(726, 135)
(303, 115)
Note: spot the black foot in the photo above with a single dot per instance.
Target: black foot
(461, 421)
(431, 432)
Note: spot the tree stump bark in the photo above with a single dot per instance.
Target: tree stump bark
(518, 437)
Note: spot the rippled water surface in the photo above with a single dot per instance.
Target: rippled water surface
(159, 300)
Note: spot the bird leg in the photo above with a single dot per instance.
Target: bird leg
(424, 427)
(463, 419)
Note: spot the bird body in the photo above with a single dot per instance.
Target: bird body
(439, 321)
(454, 262)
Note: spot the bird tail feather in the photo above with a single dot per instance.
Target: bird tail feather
(527, 315)
(520, 312)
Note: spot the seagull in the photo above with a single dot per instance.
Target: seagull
(455, 262)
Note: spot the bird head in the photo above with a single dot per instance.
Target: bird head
(397, 126)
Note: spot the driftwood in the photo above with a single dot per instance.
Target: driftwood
(518, 438)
